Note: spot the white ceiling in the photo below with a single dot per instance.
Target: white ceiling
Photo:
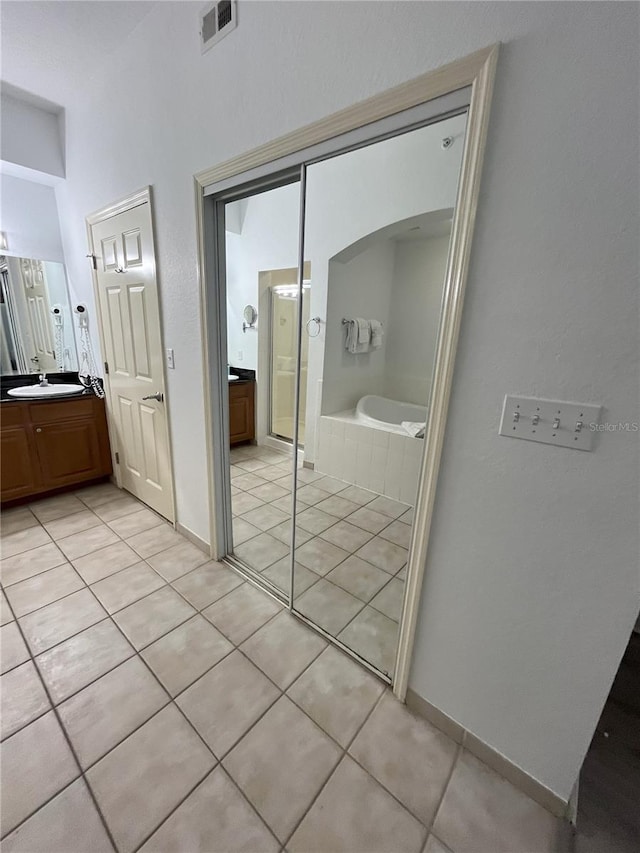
(49, 47)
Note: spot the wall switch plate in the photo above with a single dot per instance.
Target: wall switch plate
(240, 355)
(550, 421)
(171, 363)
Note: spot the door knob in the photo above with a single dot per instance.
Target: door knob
(159, 396)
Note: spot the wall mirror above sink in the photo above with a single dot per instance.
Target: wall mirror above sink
(36, 322)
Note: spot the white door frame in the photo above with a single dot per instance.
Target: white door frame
(476, 71)
(122, 205)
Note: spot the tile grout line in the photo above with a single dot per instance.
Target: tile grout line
(172, 699)
(344, 752)
(283, 692)
(71, 748)
(87, 585)
(444, 790)
(324, 577)
(331, 526)
(110, 615)
(142, 559)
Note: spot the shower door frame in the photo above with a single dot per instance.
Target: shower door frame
(284, 160)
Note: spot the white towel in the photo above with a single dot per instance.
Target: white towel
(377, 331)
(352, 343)
(413, 428)
(364, 330)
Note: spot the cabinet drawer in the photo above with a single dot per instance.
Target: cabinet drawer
(61, 410)
(11, 414)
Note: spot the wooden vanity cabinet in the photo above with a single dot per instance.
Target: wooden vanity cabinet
(241, 411)
(47, 445)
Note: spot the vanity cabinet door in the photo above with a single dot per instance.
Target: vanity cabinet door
(18, 473)
(69, 452)
(241, 412)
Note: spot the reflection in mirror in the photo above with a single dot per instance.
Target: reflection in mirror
(261, 242)
(36, 327)
(377, 231)
(250, 316)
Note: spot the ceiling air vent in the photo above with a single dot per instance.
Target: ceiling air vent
(216, 21)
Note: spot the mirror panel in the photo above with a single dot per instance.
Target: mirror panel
(261, 242)
(36, 323)
(377, 231)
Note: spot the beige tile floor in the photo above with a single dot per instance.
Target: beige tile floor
(351, 548)
(152, 700)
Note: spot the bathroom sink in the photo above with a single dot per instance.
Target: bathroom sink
(37, 392)
(232, 378)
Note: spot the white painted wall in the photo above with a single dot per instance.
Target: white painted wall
(31, 136)
(360, 287)
(348, 198)
(29, 218)
(264, 236)
(526, 612)
(354, 195)
(56, 279)
(418, 281)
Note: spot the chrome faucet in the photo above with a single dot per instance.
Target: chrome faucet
(43, 380)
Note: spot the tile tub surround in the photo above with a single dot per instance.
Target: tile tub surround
(372, 458)
(351, 548)
(110, 747)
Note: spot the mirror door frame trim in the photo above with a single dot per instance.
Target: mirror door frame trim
(477, 71)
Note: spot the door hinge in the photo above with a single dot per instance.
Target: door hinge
(117, 458)
(94, 261)
(106, 367)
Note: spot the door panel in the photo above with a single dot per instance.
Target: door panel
(260, 473)
(140, 338)
(379, 268)
(38, 312)
(128, 295)
(116, 326)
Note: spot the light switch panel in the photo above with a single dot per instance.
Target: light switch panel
(550, 421)
(171, 362)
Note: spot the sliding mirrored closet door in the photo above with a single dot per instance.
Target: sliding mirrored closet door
(376, 235)
(346, 312)
(261, 257)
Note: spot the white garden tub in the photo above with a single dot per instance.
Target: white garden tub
(368, 446)
(383, 413)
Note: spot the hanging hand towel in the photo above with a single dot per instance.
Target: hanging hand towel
(377, 331)
(364, 331)
(353, 343)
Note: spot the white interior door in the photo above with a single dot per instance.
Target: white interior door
(37, 314)
(132, 340)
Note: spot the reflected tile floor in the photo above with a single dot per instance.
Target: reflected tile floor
(161, 703)
(351, 548)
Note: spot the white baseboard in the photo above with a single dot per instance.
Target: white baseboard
(194, 538)
(518, 777)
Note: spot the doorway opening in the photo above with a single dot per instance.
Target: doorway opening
(284, 307)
